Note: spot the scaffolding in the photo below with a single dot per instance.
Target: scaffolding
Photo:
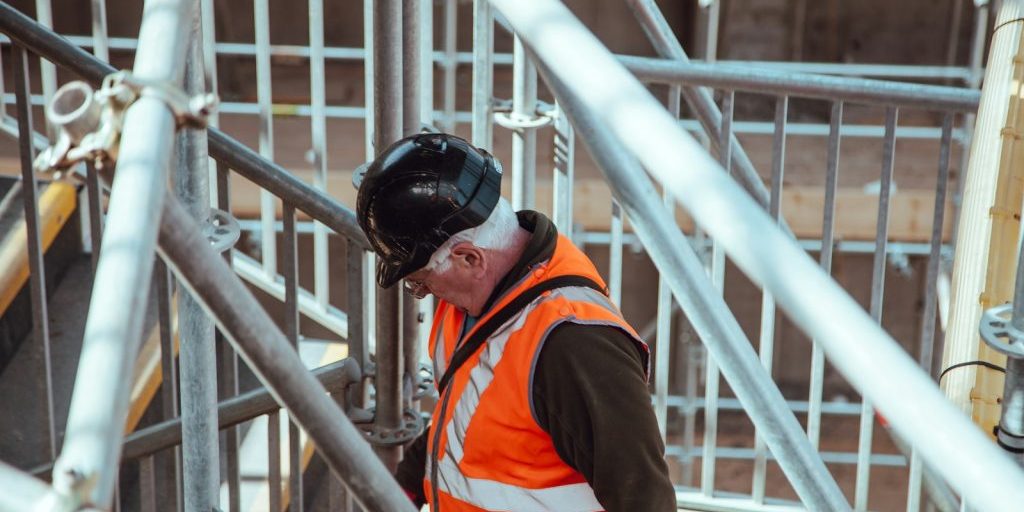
(358, 411)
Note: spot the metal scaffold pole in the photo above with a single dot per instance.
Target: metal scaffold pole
(387, 122)
(412, 122)
(1011, 420)
(197, 355)
(483, 75)
(524, 140)
(1006, 336)
(87, 466)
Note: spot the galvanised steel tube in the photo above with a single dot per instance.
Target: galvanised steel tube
(483, 75)
(698, 98)
(289, 269)
(867, 414)
(169, 382)
(387, 73)
(825, 258)
(47, 71)
(239, 157)
(739, 127)
(858, 347)
(766, 343)
(265, 99)
(349, 53)
(524, 140)
(449, 65)
(367, 57)
(318, 129)
(766, 81)
(266, 350)
(99, 404)
(412, 122)
(99, 30)
(411, 67)
(387, 122)
(197, 356)
(37, 285)
(928, 311)
(704, 306)
(426, 61)
(23, 492)
(1011, 419)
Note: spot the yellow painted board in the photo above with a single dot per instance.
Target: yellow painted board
(56, 204)
(148, 372)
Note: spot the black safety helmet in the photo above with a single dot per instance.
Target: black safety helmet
(418, 193)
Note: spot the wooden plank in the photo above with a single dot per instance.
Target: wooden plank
(910, 212)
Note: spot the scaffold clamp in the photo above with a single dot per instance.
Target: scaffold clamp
(506, 118)
(90, 122)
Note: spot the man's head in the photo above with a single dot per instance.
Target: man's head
(430, 206)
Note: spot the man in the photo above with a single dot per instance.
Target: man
(543, 400)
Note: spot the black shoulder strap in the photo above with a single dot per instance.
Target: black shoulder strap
(503, 315)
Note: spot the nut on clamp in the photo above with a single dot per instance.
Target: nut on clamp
(90, 122)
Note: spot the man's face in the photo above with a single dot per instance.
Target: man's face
(457, 282)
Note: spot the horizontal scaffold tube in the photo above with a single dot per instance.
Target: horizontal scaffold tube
(806, 85)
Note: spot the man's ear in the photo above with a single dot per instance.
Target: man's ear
(469, 257)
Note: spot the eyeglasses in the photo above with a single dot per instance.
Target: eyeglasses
(417, 289)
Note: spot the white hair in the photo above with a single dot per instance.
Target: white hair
(496, 233)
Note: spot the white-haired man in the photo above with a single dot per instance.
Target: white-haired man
(543, 400)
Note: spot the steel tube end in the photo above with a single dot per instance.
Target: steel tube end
(75, 110)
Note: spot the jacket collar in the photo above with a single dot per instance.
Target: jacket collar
(540, 248)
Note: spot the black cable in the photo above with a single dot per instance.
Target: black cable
(986, 364)
(1005, 23)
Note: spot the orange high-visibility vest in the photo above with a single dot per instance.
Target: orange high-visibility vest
(491, 453)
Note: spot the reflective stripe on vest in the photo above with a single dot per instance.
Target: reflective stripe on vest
(496, 496)
(438, 357)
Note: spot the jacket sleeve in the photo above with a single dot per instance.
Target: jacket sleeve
(590, 394)
(412, 470)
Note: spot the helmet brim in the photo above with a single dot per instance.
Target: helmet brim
(391, 272)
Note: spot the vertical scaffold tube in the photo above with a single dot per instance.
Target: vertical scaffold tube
(113, 329)
(387, 122)
(197, 355)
